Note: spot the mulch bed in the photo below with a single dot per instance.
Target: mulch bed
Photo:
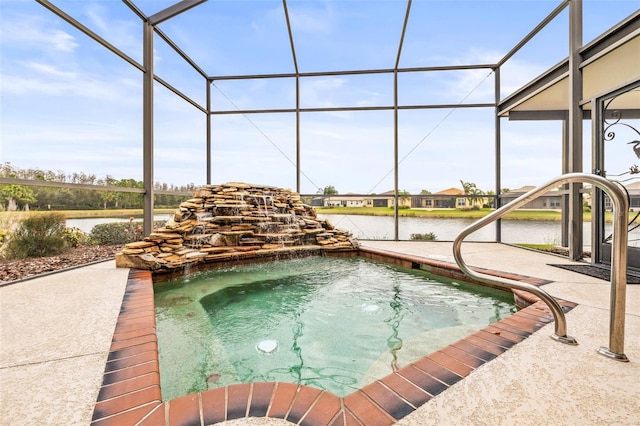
(11, 270)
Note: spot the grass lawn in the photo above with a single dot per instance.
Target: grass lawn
(81, 214)
(551, 215)
(451, 213)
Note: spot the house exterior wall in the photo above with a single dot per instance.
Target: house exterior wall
(435, 201)
(446, 201)
(378, 202)
(634, 201)
(545, 202)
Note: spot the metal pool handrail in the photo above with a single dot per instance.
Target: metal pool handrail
(618, 259)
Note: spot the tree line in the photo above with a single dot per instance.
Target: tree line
(25, 197)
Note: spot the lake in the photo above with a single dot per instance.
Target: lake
(513, 231)
(382, 228)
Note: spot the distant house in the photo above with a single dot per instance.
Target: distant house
(337, 201)
(552, 200)
(634, 197)
(343, 201)
(317, 202)
(446, 199)
(374, 201)
(386, 199)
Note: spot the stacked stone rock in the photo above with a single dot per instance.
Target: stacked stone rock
(221, 221)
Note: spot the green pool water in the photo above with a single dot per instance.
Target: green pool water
(336, 324)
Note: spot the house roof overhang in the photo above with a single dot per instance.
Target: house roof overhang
(609, 62)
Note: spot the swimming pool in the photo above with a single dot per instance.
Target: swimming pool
(331, 323)
(131, 391)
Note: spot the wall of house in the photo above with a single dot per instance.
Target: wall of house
(541, 203)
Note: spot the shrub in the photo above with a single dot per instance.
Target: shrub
(116, 232)
(429, 236)
(75, 237)
(119, 232)
(37, 236)
(7, 224)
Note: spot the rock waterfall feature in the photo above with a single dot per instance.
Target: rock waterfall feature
(235, 221)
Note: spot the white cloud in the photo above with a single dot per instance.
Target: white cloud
(62, 41)
(122, 30)
(50, 70)
(477, 85)
(315, 21)
(32, 32)
(70, 84)
(516, 73)
(271, 19)
(345, 91)
(96, 14)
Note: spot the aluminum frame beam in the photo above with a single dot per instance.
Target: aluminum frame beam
(396, 136)
(172, 11)
(337, 109)
(147, 128)
(574, 132)
(355, 72)
(61, 14)
(535, 31)
(148, 79)
(297, 110)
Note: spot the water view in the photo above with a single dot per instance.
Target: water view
(382, 228)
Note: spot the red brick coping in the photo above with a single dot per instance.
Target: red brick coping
(131, 394)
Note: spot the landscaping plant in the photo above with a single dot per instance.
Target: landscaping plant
(37, 235)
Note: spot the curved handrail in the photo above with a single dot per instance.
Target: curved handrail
(618, 259)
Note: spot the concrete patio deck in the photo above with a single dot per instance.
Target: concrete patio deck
(55, 334)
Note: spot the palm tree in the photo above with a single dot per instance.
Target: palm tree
(472, 192)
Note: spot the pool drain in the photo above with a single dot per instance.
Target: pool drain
(267, 346)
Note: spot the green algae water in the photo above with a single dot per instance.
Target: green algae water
(335, 324)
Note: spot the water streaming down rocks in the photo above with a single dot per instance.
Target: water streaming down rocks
(235, 221)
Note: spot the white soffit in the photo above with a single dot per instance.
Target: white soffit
(617, 67)
(620, 66)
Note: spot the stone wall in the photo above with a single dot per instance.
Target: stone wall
(232, 220)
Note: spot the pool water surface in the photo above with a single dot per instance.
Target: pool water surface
(331, 323)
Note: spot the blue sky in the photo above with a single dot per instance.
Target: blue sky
(68, 104)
